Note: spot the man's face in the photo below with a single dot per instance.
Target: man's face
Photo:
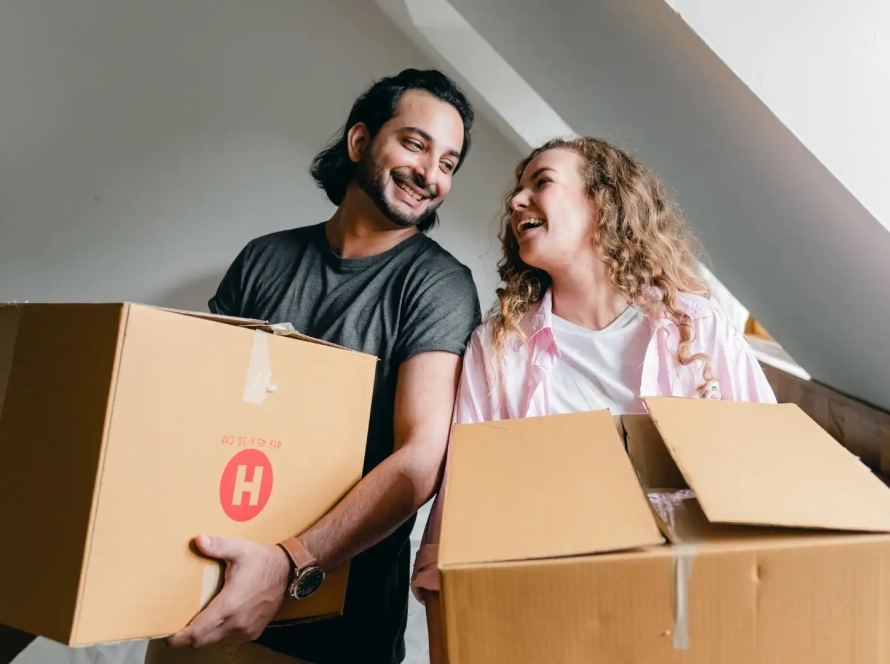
(407, 169)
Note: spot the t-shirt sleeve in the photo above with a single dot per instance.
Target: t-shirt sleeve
(440, 317)
(230, 296)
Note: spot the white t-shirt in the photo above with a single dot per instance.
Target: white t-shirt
(599, 368)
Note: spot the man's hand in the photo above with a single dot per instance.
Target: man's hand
(255, 583)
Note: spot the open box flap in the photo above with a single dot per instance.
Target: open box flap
(541, 487)
(655, 466)
(682, 520)
(768, 465)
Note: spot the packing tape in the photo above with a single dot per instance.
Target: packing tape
(258, 381)
(683, 557)
(10, 317)
(210, 584)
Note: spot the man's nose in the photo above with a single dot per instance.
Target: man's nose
(426, 169)
(425, 176)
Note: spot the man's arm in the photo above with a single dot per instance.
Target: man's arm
(256, 574)
(405, 481)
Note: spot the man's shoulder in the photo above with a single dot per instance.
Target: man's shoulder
(283, 240)
(271, 253)
(434, 262)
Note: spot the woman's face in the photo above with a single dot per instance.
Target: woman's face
(552, 217)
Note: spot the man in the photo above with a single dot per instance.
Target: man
(369, 279)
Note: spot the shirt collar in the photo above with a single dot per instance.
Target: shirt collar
(539, 317)
(538, 328)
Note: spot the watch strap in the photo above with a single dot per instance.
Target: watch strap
(299, 554)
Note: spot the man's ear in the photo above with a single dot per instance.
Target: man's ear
(357, 141)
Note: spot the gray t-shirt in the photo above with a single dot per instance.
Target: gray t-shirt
(413, 298)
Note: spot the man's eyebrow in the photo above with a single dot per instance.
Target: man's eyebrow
(425, 135)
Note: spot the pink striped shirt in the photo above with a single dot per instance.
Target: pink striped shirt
(481, 398)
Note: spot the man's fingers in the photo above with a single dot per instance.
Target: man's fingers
(195, 635)
(221, 548)
(214, 615)
(238, 612)
(210, 636)
(228, 631)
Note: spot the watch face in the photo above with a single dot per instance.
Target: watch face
(309, 582)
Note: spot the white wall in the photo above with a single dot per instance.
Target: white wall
(823, 67)
(143, 143)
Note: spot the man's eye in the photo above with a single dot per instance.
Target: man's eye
(414, 145)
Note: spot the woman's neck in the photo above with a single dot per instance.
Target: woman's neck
(586, 298)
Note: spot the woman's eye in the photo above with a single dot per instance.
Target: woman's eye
(540, 183)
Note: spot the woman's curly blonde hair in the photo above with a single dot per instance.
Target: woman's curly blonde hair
(640, 235)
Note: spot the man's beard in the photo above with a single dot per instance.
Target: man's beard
(371, 178)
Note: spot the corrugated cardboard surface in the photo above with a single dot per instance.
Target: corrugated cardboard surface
(539, 505)
(51, 441)
(654, 465)
(176, 415)
(727, 593)
(770, 466)
(816, 604)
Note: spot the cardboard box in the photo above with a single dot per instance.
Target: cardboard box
(762, 540)
(128, 430)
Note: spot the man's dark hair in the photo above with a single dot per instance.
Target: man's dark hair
(332, 169)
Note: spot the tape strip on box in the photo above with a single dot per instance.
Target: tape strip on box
(683, 560)
(258, 382)
(211, 583)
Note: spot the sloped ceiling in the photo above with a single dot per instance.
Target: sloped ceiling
(823, 67)
(783, 234)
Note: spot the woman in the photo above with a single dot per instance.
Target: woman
(602, 304)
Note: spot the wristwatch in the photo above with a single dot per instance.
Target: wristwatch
(305, 575)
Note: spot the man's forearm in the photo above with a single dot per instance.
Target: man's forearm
(375, 507)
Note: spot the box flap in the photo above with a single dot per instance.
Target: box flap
(541, 487)
(219, 318)
(682, 520)
(284, 329)
(655, 466)
(287, 330)
(769, 465)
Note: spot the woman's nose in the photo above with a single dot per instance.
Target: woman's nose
(519, 202)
